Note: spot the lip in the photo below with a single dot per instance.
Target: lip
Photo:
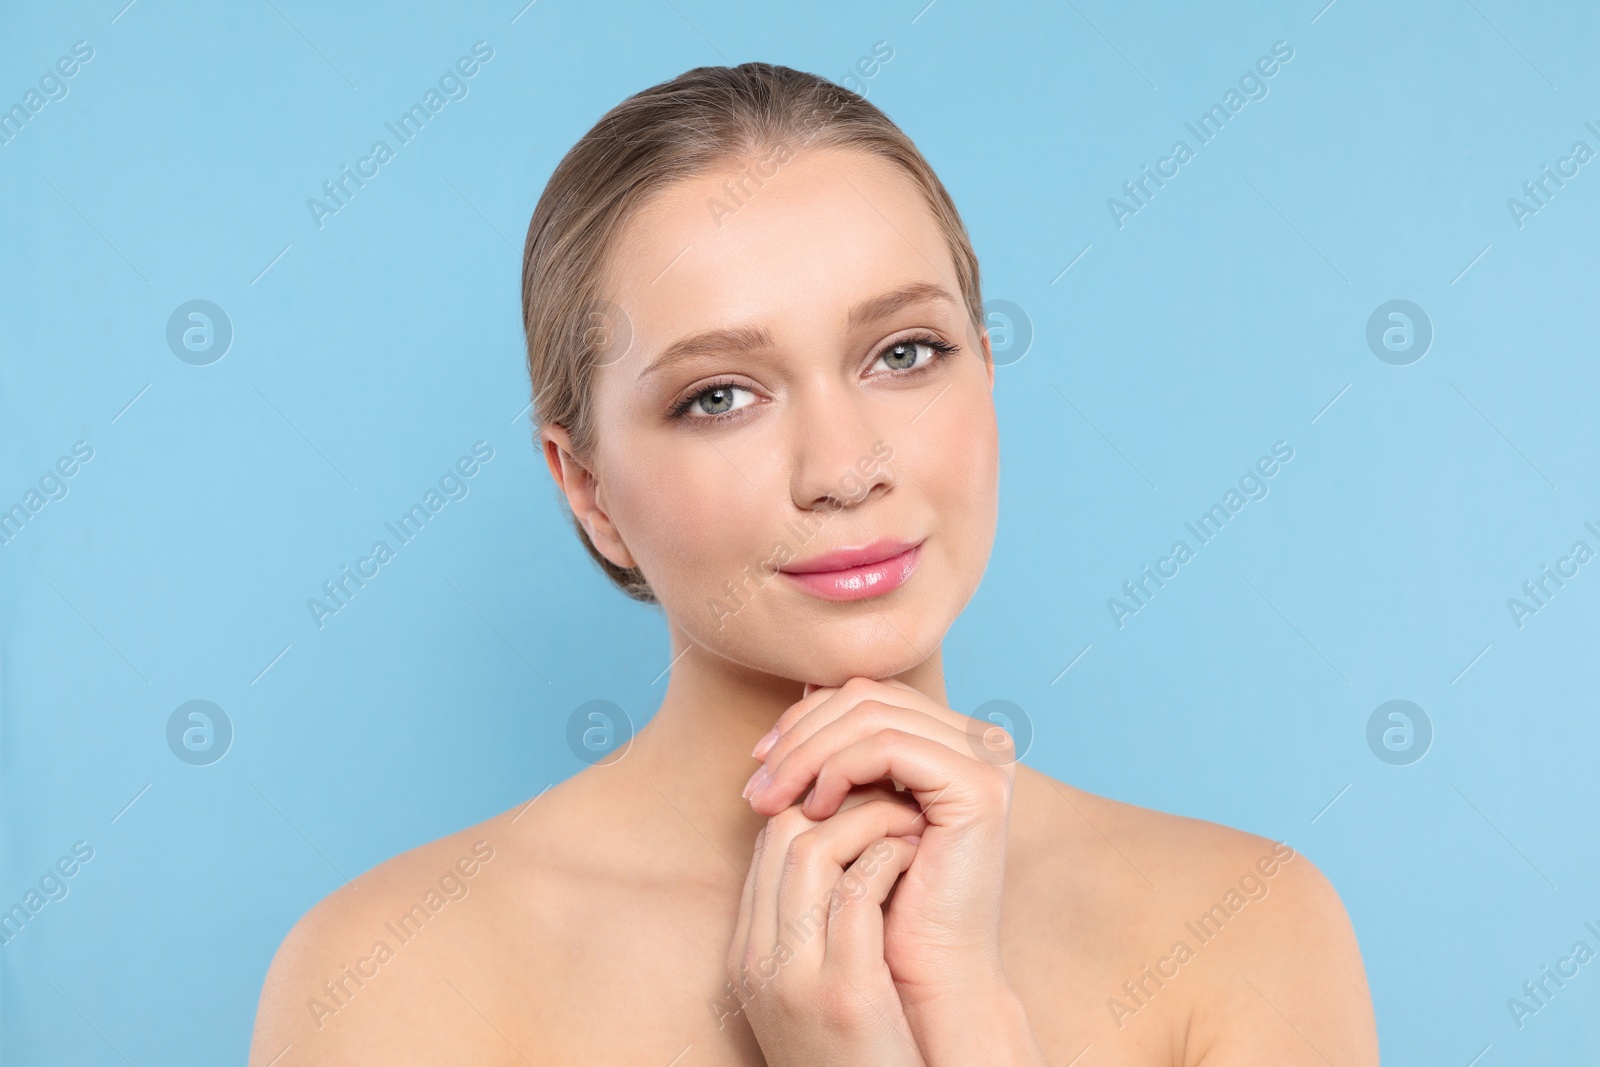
(857, 573)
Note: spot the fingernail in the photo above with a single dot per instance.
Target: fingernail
(765, 743)
(756, 782)
(913, 838)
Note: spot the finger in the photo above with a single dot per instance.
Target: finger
(855, 933)
(766, 928)
(792, 764)
(832, 726)
(894, 691)
(882, 789)
(951, 787)
(818, 857)
(812, 696)
(805, 717)
(741, 925)
(772, 845)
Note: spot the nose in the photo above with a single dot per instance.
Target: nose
(837, 448)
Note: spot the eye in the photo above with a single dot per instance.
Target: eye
(712, 401)
(905, 354)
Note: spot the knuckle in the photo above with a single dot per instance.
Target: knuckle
(786, 824)
(880, 715)
(755, 962)
(886, 712)
(804, 850)
(999, 738)
(991, 743)
(857, 686)
(839, 1006)
(892, 738)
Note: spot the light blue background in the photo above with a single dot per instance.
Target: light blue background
(368, 355)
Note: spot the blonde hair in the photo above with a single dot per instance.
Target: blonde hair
(668, 133)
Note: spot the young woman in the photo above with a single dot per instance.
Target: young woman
(762, 383)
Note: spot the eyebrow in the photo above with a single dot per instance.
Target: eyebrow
(881, 307)
(737, 337)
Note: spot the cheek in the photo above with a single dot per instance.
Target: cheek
(955, 458)
(681, 516)
(954, 461)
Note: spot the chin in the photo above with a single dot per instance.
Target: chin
(831, 652)
(871, 646)
(832, 673)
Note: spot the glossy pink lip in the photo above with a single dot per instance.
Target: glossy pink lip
(857, 573)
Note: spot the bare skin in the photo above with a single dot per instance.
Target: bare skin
(594, 922)
(598, 932)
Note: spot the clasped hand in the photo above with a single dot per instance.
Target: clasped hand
(835, 961)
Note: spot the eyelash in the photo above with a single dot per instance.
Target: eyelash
(942, 350)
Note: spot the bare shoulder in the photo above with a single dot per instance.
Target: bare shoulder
(1239, 940)
(388, 966)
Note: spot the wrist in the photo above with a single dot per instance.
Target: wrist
(986, 1024)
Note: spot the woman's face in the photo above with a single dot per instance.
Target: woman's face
(820, 416)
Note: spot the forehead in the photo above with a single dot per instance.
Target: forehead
(787, 244)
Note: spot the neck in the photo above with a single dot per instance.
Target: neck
(696, 749)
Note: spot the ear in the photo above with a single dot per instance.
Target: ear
(988, 356)
(583, 494)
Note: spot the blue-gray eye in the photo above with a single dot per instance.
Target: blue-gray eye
(716, 400)
(902, 355)
(712, 400)
(905, 351)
